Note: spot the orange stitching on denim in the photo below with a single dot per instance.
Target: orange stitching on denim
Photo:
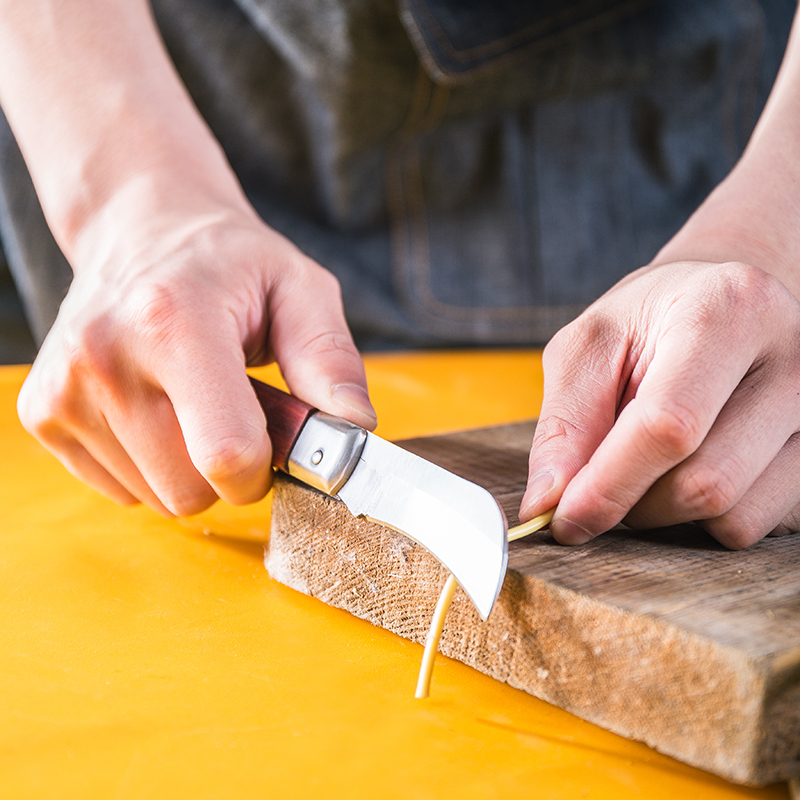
(419, 104)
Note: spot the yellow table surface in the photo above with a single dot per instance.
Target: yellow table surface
(149, 658)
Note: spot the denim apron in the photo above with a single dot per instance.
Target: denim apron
(474, 172)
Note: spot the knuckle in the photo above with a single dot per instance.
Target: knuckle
(43, 419)
(747, 291)
(189, 501)
(674, 430)
(591, 331)
(44, 405)
(609, 508)
(558, 345)
(707, 493)
(86, 366)
(305, 274)
(787, 526)
(157, 307)
(327, 280)
(227, 459)
(30, 408)
(329, 342)
(736, 530)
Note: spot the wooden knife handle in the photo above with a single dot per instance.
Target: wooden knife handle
(286, 416)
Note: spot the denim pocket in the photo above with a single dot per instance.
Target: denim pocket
(457, 38)
(507, 223)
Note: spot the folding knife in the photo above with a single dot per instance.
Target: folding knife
(459, 522)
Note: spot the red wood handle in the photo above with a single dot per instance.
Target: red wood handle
(286, 416)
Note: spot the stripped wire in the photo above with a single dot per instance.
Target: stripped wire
(446, 597)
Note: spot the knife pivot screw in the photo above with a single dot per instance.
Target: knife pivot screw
(316, 457)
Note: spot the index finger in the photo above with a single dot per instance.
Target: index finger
(221, 420)
(582, 373)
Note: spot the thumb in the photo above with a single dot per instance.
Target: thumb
(578, 410)
(314, 348)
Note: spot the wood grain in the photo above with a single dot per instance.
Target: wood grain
(662, 636)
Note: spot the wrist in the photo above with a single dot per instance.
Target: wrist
(130, 177)
(155, 206)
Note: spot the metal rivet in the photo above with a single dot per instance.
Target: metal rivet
(316, 457)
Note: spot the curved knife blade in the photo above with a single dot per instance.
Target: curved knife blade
(459, 522)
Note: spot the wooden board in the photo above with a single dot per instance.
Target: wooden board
(662, 636)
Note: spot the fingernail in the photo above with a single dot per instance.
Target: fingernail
(568, 532)
(355, 398)
(541, 483)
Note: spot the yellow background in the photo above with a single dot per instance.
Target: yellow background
(149, 658)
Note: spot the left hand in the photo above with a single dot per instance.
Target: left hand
(674, 398)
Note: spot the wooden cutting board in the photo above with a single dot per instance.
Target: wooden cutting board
(661, 636)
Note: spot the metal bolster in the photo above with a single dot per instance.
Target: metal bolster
(326, 452)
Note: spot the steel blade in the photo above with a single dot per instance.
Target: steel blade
(458, 521)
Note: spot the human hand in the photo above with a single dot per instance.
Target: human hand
(674, 398)
(140, 388)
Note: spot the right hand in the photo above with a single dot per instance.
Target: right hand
(140, 387)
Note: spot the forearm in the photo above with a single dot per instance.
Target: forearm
(99, 111)
(754, 215)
